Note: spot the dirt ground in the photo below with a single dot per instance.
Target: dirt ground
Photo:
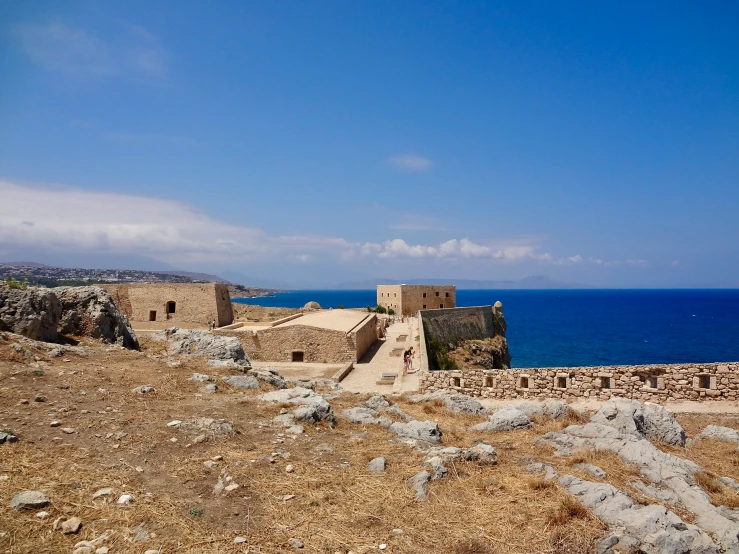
(121, 440)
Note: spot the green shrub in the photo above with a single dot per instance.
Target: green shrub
(390, 311)
(340, 307)
(13, 284)
(196, 511)
(380, 309)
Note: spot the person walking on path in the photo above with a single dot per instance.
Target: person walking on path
(210, 326)
(410, 359)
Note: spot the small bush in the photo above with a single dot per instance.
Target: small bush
(340, 307)
(14, 284)
(568, 509)
(38, 373)
(196, 511)
(380, 309)
(390, 311)
(538, 484)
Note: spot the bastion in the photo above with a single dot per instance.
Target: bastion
(175, 303)
(324, 336)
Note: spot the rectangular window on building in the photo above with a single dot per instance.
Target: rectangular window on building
(605, 382)
(424, 306)
(447, 295)
(441, 306)
(704, 381)
(436, 293)
(424, 295)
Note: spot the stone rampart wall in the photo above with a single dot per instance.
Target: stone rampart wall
(653, 383)
(194, 303)
(458, 325)
(365, 335)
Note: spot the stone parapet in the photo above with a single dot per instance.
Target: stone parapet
(654, 383)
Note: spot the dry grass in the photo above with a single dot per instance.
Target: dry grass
(338, 504)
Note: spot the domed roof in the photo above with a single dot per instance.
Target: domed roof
(312, 306)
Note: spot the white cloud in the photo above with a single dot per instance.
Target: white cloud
(408, 162)
(76, 220)
(81, 220)
(56, 46)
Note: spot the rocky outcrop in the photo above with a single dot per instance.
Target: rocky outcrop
(552, 408)
(311, 407)
(506, 418)
(671, 477)
(32, 312)
(91, 311)
(649, 529)
(489, 353)
(717, 432)
(456, 403)
(204, 345)
(424, 431)
(651, 421)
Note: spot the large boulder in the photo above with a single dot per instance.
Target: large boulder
(425, 431)
(31, 312)
(454, 402)
(651, 421)
(91, 311)
(202, 344)
(720, 433)
(506, 418)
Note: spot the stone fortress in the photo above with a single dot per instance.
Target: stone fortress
(175, 303)
(344, 336)
(409, 299)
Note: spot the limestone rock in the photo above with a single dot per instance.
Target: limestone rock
(425, 431)
(377, 465)
(649, 529)
(506, 418)
(91, 311)
(365, 416)
(242, 382)
(437, 468)
(269, 376)
(209, 389)
(202, 344)
(34, 313)
(659, 425)
(207, 427)
(595, 471)
(72, 526)
(418, 482)
(200, 378)
(29, 500)
(649, 420)
(376, 402)
(718, 432)
(482, 452)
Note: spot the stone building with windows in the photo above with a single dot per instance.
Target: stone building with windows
(324, 336)
(409, 299)
(176, 303)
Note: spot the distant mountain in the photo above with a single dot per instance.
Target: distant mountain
(533, 282)
(22, 264)
(257, 282)
(195, 275)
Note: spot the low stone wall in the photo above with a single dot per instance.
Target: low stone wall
(653, 383)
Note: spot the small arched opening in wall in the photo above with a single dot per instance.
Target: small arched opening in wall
(171, 307)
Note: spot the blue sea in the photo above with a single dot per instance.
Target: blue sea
(570, 328)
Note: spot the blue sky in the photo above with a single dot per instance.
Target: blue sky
(320, 142)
